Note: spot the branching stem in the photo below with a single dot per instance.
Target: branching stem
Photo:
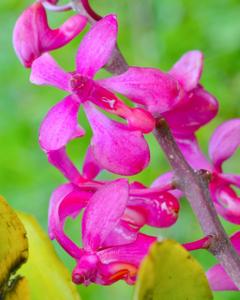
(195, 187)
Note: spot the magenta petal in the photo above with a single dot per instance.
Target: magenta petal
(231, 178)
(219, 280)
(115, 147)
(227, 202)
(235, 240)
(224, 142)
(62, 162)
(63, 35)
(188, 69)
(65, 201)
(45, 71)
(160, 211)
(166, 179)
(60, 125)
(90, 166)
(150, 87)
(26, 42)
(103, 213)
(32, 35)
(97, 46)
(199, 109)
(192, 153)
(121, 234)
(132, 253)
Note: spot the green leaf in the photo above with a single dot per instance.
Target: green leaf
(13, 253)
(169, 272)
(47, 276)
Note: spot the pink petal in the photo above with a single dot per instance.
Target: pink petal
(219, 280)
(26, 33)
(189, 116)
(122, 262)
(121, 234)
(235, 240)
(166, 179)
(32, 35)
(62, 162)
(64, 34)
(130, 254)
(115, 147)
(231, 178)
(66, 201)
(217, 277)
(90, 166)
(188, 69)
(224, 142)
(45, 71)
(60, 125)
(97, 46)
(156, 90)
(226, 201)
(190, 149)
(160, 211)
(103, 213)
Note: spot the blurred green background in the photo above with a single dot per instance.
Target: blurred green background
(152, 33)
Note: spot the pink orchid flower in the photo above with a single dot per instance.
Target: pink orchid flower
(197, 109)
(32, 35)
(217, 277)
(223, 144)
(119, 148)
(187, 111)
(114, 212)
(157, 91)
(179, 97)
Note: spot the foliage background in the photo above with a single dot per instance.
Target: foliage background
(152, 33)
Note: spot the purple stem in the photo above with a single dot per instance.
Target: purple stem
(90, 11)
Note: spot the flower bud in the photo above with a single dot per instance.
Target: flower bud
(32, 35)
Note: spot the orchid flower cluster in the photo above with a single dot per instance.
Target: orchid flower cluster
(114, 212)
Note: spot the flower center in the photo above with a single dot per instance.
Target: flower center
(81, 85)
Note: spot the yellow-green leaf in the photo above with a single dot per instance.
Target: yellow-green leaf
(19, 290)
(13, 252)
(169, 272)
(47, 276)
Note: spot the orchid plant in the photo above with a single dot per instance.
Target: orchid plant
(171, 105)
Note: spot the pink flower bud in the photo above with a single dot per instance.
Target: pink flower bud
(32, 35)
